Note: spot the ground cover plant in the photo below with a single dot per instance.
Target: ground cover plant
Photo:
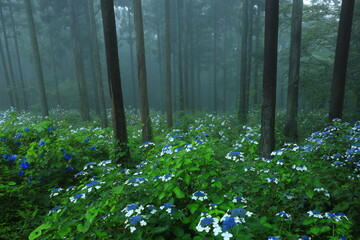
(204, 179)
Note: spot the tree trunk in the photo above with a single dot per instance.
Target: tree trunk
(140, 49)
(180, 67)
(114, 79)
(267, 142)
(37, 61)
(25, 100)
(161, 58)
(191, 56)
(249, 55)
(168, 65)
(341, 60)
(133, 79)
(294, 69)
(97, 66)
(9, 89)
(11, 70)
(53, 58)
(258, 27)
(242, 113)
(84, 103)
(215, 56)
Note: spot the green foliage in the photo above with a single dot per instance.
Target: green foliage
(203, 179)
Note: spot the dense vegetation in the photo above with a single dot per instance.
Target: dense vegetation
(204, 179)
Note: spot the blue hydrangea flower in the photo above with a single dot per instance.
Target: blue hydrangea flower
(305, 237)
(273, 238)
(11, 158)
(86, 139)
(24, 164)
(228, 223)
(21, 172)
(199, 195)
(67, 156)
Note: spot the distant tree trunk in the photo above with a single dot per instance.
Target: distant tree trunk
(294, 69)
(249, 54)
(186, 56)
(242, 113)
(140, 48)
(225, 65)
(114, 79)
(168, 65)
(180, 63)
(257, 57)
(84, 103)
(215, 26)
(9, 89)
(191, 56)
(161, 58)
(97, 66)
(37, 61)
(132, 67)
(25, 100)
(58, 101)
(11, 70)
(341, 60)
(267, 142)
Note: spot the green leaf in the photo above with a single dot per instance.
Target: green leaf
(63, 231)
(37, 232)
(193, 207)
(178, 192)
(315, 230)
(187, 179)
(309, 221)
(118, 190)
(159, 230)
(192, 169)
(325, 229)
(178, 231)
(11, 183)
(162, 195)
(83, 227)
(309, 193)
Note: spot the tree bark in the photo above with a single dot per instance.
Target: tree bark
(9, 60)
(133, 79)
(37, 61)
(9, 89)
(84, 103)
(20, 69)
(180, 63)
(215, 26)
(168, 65)
(242, 113)
(114, 79)
(294, 70)
(140, 49)
(341, 60)
(97, 66)
(267, 142)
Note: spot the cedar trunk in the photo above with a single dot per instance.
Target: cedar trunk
(341, 60)
(267, 142)
(140, 49)
(168, 65)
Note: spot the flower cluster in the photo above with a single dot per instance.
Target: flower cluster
(135, 181)
(199, 195)
(235, 156)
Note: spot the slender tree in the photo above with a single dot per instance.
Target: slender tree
(140, 49)
(9, 88)
(294, 69)
(84, 104)
(114, 79)
(180, 29)
(97, 65)
(267, 142)
(242, 112)
(20, 69)
(9, 60)
(341, 59)
(215, 26)
(132, 65)
(37, 61)
(168, 65)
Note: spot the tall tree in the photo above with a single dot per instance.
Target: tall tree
(179, 5)
(168, 65)
(294, 69)
(215, 26)
(97, 65)
(267, 142)
(84, 104)
(37, 61)
(20, 69)
(140, 49)
(114, 79)
(341, 60)
(242, 112)
(9, 88)
(9, 60)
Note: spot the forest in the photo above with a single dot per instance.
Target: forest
(180, 119)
